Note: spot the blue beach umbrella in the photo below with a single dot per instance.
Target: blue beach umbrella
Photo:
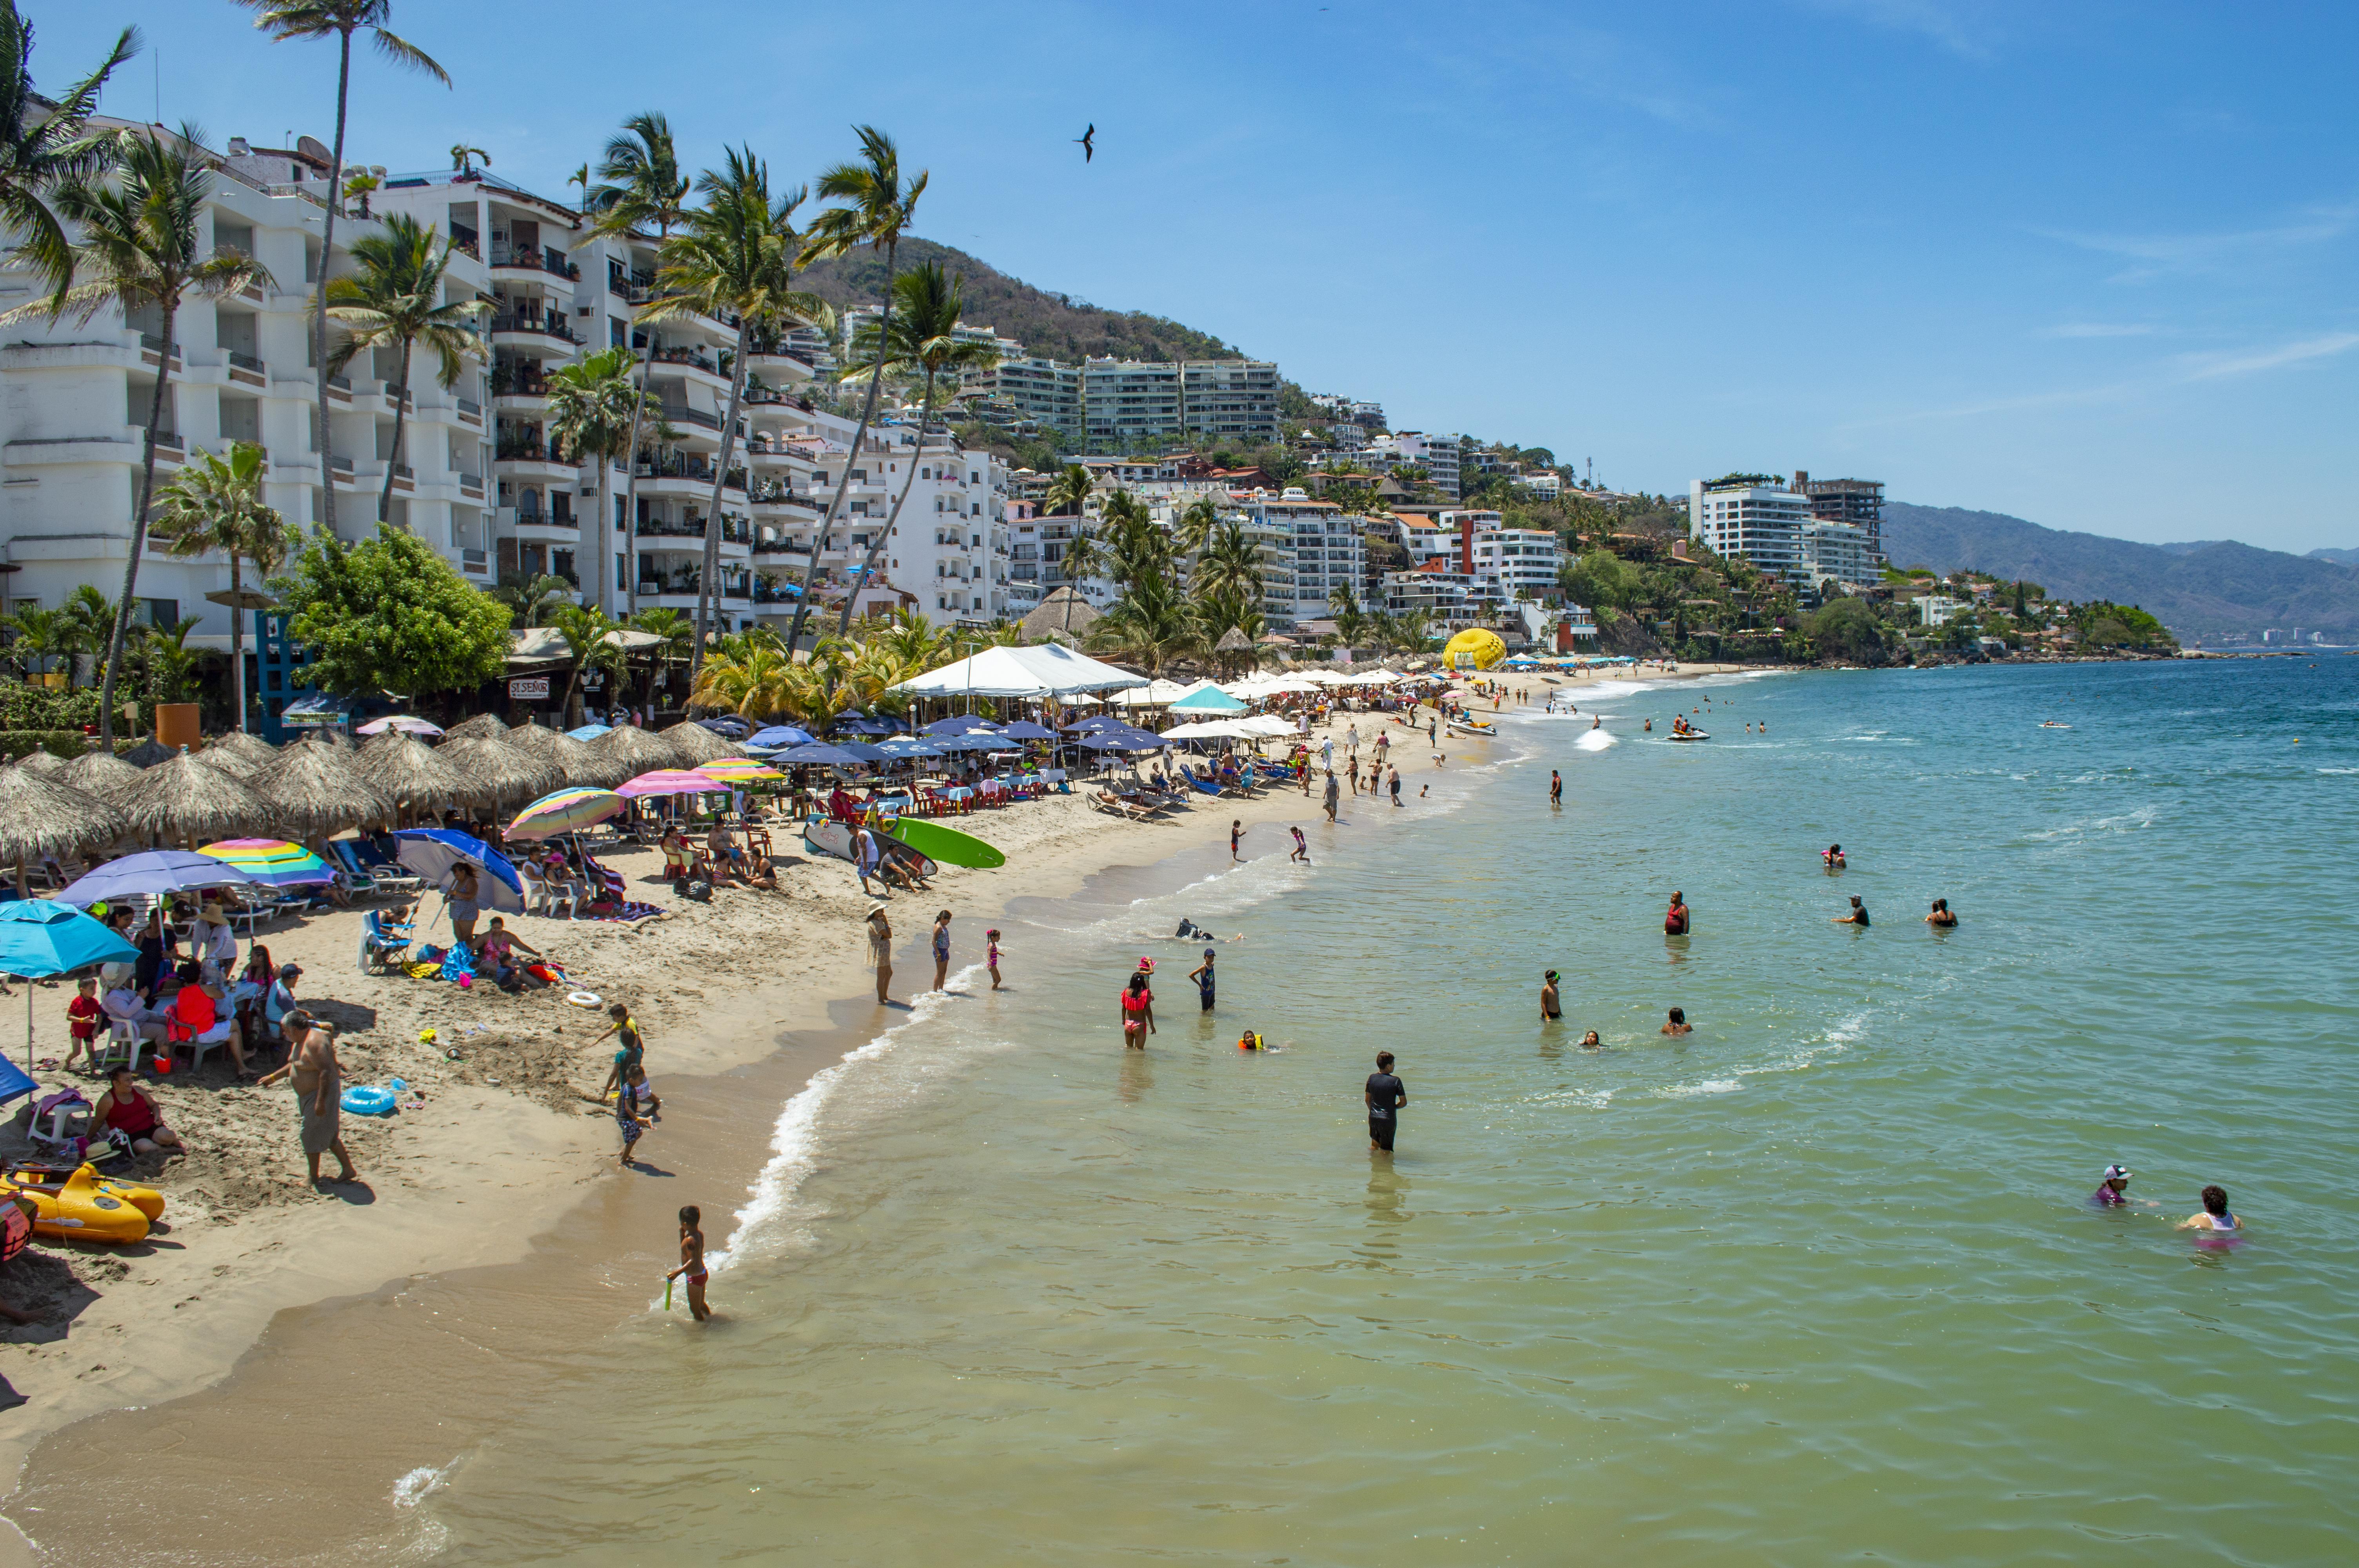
(819, 754)
(958, 724)
(1025, 729)
(435, 852)
(907, 746)
(589, 732)
(779, 735)
(155, 871)
(40, 937)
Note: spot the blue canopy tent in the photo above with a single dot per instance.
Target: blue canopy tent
(589, 732)
(1211, 699)
(40, 937)
(908, 746)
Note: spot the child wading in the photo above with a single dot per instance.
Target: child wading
(691, 1260)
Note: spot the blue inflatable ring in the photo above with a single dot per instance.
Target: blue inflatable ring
(368, 1099)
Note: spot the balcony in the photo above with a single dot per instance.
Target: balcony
(680, 414)
(471, 411)
(246, 369)
(691, 359)
(471, 484)
(566, 526)
(539, 325)
(533, 258)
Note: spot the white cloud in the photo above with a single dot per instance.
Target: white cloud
(2100, 330)
(2211, 367)
(1926, 17)
(2219, 251)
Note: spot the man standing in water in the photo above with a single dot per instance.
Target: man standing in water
(1331, 795)
(1550, 1008)
(692, 1261)
(1675, 919)
(1392, 778)
(1385, 1095)
(1236, 834)
(880, 950)
(1556, 790)
(1858, 915)
(1202, 975)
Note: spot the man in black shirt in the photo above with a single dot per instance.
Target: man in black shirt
(1385, 1095)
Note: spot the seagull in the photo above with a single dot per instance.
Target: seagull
(1088, 140)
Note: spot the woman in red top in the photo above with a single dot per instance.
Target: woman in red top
(128, 1108)
(1137, 1012)
(198, 1015)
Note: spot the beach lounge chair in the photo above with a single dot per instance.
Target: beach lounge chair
(367, 859)
(383, 945)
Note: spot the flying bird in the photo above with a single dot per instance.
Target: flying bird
(1088, 139)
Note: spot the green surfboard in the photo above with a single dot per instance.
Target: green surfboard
(947, 845)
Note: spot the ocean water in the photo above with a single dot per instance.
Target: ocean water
(1817, 1282)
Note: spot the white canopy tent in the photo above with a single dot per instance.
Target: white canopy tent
(1154, 693)
(1226, 729)
(1047, 669)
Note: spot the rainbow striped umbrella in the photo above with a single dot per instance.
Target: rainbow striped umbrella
(738, 770)
(271, 861)
(566, 810)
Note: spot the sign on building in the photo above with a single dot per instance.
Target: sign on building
(528, 688)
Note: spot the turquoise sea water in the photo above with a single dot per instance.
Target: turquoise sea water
(1817, 1282)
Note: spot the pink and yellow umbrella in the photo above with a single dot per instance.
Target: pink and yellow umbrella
(271, 861)
(671, 781)
(566, 810)
(738, 771)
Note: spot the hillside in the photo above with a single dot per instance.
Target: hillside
(1055, 326)
(2200, 590)
(2346, 557)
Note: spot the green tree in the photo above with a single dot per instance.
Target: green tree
(1600, 580)
(171, 664)
(44, 147)
(734, 256)
(393, 300)
(1848, 629)
(390, 614)
(877, 210)
(675, 636)
(535, 600)
(586, 631)
(35, 637)
(88, 618)
(1230, 562)
(463, 157)
(640, 187)
(338, 19)
(216, 506)
(919, 338)
(140, 252)
(592, 408)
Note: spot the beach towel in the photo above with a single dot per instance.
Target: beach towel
(609, 903)
(458, 961)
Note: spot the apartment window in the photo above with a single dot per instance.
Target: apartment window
(163, 614)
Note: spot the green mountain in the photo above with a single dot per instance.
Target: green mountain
(1057, 326)
(2204, 591)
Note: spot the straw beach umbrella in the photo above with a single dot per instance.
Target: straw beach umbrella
(253, 750)
(48, 764)
(192, 802)
(409, 772)
(236, 764)
(41, 817)
(579, 763)
(102, 774)
(482, 726)
(627, 752)
(502, 772)
(317, 791)
(696, 744)
(148, 753)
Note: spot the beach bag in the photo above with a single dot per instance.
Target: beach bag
(680, 887)
(456, 963)
(701, 890)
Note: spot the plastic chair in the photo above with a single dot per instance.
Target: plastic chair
(381, 947)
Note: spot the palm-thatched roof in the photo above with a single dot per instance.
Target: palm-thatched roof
(149, 752)
(1063, 610)
(236, 764)
(102, 774)
(48, 764)
(581, 763)
(696, 744)
(1233, 640)
(260, 753)
(189, 800)
(627, 751)
(42, 816)
(502, 772)
(408, 772)
(482, 726)
(316, 792)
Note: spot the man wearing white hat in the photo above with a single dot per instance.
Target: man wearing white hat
(213, 944)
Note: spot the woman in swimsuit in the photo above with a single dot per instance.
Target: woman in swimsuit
(880, 949)
(125, 1107)
(1137, 1012)
(2215, 1215)
(691, 1260)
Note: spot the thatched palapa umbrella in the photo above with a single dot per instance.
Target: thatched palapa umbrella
(624, 753)
(102, 774)
(254, 749)
(47, 763)
(409, 772)
(696, 744)
(192, 802)
(41, 817)
(148, 753)
(317, 791)
(236, 764)
(482, 726)
(502, 772)
(1063, 611)
(581, 763)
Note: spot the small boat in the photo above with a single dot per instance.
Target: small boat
(85, 1207)
(1469, 727)
(1690, 735)
(2052, 724)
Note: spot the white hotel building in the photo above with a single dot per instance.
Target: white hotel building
(1763, 522)
(476, 479)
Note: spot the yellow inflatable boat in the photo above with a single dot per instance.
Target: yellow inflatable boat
(84, 1205)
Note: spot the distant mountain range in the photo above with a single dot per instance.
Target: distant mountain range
(2204, 590)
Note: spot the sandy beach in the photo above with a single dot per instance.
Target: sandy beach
(507, 1142)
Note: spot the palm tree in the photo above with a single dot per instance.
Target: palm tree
(1069, 492)
(393, 301)
(216, 505)
(43, 148)
(642, 188)
(735, 256)
(535, 600)
(170, 661)
(463, 157)
(1196, 525)
(922, 341)
(140, 252)
(1230, 562)
(675, 635)
(339, 19)
(878, 209)
(86, 617)
(590, 407)
(584, 630)
(35, 637)
(359, 188)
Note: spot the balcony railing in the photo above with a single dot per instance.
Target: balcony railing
(550, 326)
(546, 520)
(539, 258)
(341, 465)
(695, 357)
(474, 482)
(240, 360)
(526, 452)
(680, 414)
(469, 409)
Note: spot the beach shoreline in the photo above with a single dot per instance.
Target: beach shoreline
(227, 1283)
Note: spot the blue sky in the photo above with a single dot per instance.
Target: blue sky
(2090, 264)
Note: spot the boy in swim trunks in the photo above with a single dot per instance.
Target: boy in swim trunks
(626, 1112)
(691, 1260)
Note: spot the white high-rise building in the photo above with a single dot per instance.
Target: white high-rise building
(1756, 518)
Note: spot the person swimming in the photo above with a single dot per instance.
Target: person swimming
(1590, 1041)
(2110, 1191)
(2215, 1215)
(1833, 856)
(1941, 915)
(1251, 1040)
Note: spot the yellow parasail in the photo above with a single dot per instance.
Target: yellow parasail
(1474, 649)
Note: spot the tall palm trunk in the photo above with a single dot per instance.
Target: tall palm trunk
(867, 413)
(877, 541)
(319, 303)
(631, 479)
(400, 411)
(138, 535)
(237, 641)
(708, 586)
(600, 545)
